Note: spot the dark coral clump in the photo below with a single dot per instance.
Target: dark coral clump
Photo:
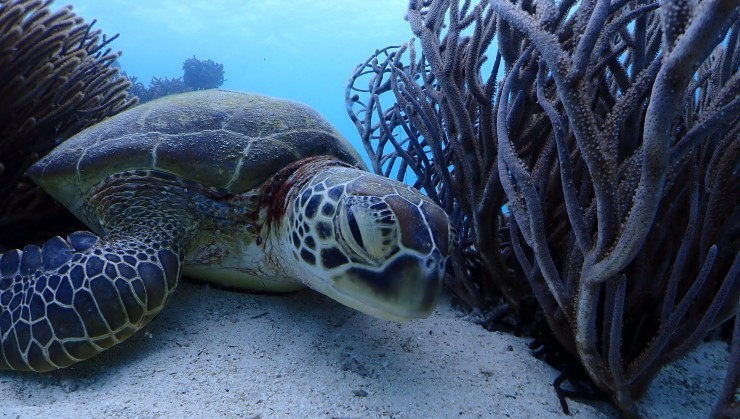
(198, 75)
(202, 74)
(157, 88)
(56, 78)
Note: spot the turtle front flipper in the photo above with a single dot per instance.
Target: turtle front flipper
(70, 300)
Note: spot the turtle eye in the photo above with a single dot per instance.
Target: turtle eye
(354, 228)
(368, 227)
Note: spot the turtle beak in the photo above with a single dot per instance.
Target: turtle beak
(407, 289)
(408, 284)
(418, 273)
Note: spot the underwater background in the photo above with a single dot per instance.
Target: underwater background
(587, 155)
(303, 50)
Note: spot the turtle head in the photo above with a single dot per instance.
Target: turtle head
(369, 242)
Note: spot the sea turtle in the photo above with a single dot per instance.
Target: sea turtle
(242, 190)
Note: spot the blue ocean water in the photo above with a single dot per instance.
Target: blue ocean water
(303, 50)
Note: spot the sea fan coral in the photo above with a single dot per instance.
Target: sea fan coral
(612, 129)
(57, 79)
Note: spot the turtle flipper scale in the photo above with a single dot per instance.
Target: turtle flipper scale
(71, 299)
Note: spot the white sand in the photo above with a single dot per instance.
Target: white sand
(215, 353)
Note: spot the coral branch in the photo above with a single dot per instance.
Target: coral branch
(597, 158)
(57, 79)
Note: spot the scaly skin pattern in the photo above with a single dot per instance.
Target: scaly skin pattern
(71, 299)
(369, 242)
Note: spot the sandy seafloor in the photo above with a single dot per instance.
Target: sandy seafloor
(217, 353)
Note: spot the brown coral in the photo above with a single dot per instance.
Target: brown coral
(612, 127)
(56, 78)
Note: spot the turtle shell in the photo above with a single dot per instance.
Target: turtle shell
(228, 140)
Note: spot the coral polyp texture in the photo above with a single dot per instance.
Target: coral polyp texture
(587, 152)
(56, 79)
